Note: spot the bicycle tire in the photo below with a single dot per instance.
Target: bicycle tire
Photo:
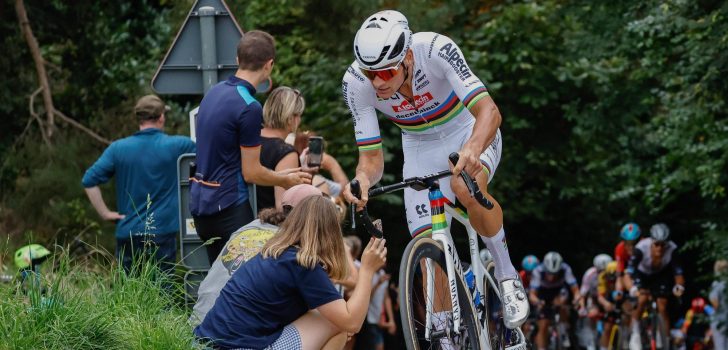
(412, 301)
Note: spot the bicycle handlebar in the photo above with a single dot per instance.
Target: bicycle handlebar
(417, 183)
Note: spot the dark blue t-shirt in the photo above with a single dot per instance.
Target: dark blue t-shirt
(262, 297)
(229, 118)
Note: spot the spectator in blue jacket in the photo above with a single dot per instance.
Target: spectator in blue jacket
(145, 166)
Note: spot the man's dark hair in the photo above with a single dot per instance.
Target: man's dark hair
(255, 49)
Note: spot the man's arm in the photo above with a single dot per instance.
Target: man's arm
(256, 173)
(487, 120)
(368, 172)
(97, 200)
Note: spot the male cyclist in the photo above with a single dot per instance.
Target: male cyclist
(608, 298)
(529, 263)
(653, 270)
(423, 84)
(548, 290)
(588, 305)
(630, 234)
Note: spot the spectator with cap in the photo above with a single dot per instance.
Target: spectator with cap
(228, 129)
(243, 244)
(145, 166)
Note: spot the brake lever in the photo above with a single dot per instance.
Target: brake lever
(471, 184)
(364, 214)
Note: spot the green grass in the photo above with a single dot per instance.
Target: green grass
(94, 306)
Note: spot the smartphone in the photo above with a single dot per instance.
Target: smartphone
(315, 150)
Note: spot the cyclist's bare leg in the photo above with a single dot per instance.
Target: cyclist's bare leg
(642, 300)
(662, 310)
(604, 340)
(542, 335)
(486, 222)
(317, 332)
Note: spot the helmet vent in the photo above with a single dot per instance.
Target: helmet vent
(398, 47)
(374, 25)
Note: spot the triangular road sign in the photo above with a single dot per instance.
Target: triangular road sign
(203, 53)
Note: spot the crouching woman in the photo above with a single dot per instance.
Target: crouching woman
(283, 298)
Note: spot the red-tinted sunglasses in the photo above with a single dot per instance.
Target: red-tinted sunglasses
(385, 74)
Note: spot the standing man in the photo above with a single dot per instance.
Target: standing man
(422, 83)
(228, 147)
(145, 165)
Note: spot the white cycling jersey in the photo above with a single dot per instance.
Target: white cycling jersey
(439, 122)
(643, 261)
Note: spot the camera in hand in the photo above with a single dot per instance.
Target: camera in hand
(315, 151)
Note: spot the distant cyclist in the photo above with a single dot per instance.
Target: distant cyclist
(528, 264)
(589, 281)
(608, 299)
(630, 234)
(654, 270)
(549, 284)
(423, 84)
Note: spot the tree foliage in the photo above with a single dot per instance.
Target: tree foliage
(613, 111)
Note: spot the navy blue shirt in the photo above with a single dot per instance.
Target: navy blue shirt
(229, 118)
(144, 164)
(262, 297)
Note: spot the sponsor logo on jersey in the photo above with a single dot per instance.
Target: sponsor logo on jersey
(420, 100)
(451, 54)
(432, 44)
(356, 74)
(423, 85)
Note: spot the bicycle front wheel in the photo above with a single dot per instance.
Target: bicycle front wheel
(414, 301)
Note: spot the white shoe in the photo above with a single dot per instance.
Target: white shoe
(515, 303)
(635, 342)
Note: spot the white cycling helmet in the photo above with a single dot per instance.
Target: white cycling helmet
(382, 40)
(601, 261)
(660, 232)
(552, 262)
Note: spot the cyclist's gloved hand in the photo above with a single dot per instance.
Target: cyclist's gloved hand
(634, 292)
(678, 290)
(617, 294)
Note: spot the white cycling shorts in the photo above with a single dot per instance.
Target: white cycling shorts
(427, 154)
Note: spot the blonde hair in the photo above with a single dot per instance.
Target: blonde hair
(720, 267)
(280, 107)
(313, 226)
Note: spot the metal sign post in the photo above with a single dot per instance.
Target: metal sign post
(202, 54)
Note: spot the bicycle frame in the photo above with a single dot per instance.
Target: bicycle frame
(440, 205)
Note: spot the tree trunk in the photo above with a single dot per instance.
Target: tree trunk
(39, 67)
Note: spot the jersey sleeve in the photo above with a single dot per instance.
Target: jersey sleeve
(250, 122)
(359, 97)
(585, 282)
(102, 170)
(634, 261)
(619, 257)
(536, 279)
(602, 287)
(316, 288)
(447, 61)
(569, 275)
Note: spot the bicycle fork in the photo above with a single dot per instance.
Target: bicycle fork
(452, 262)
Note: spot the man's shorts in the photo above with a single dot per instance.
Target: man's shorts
(427, 154)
